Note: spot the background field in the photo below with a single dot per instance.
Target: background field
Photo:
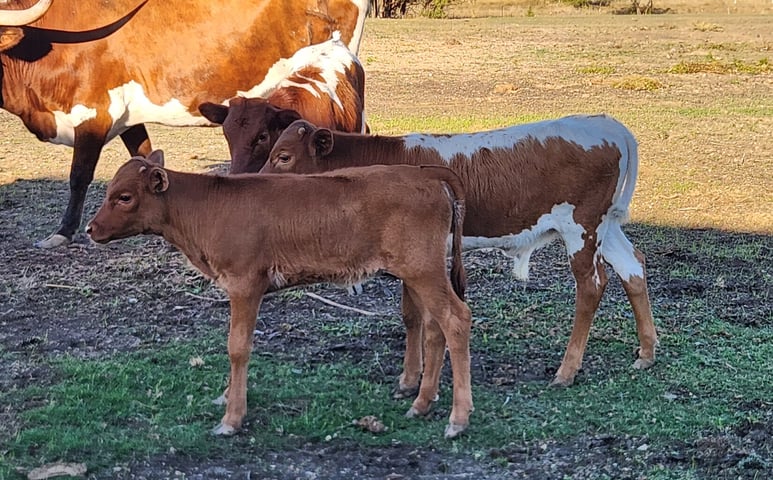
(110, 355)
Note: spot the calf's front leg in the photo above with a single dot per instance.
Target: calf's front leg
(244, 314)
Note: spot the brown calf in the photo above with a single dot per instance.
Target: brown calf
(571, 178)
(322, 83)
(242, 232)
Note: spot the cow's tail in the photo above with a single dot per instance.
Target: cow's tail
(629, 170)
(456, 191)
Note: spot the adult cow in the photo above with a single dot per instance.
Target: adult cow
(571, 178)
(155, 64)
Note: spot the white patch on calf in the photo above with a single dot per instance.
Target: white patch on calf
(617, 250)
(558, 223)
(276, 278)
(67, 122)
(331, 57)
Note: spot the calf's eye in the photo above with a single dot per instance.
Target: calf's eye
(283, 158)
(124, 198)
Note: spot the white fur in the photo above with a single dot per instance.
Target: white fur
(66, 123)
(617, 250)
(332, 57)
(558, 223)
(585, 130)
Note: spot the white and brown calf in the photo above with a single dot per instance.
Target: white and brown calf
(253, 234)
(322, 83)
(571, 178)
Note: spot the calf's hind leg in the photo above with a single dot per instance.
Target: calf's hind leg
(629, 264)
(408, 384)
(591, 279)
(447, 322)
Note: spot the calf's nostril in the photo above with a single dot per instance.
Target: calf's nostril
(88, 228)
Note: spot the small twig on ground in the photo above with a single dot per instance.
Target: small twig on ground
(56, 285)
(338, 305)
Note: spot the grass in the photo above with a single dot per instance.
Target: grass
(712, 377)
(437, 124)
(713, 65)
(145, 403)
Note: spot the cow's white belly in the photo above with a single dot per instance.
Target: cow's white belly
(520, 246)
(129, 106)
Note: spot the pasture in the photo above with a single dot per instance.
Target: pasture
(110, 356)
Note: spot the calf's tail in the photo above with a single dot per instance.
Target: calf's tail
(456, 190)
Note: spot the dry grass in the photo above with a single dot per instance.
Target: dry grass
(703, 159)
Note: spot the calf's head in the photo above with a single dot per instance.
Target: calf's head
(251, 126)
(134, 201)
(300, 148)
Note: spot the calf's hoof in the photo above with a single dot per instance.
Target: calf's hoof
(55, 240)
(453, 430)
(643, 363)
(561, 382)
(401, 392)
(224, 430)
(413, 412)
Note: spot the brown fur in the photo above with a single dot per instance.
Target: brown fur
(508, 190)
(234, 230)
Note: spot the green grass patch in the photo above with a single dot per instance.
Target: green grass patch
(440, 124)
(707, 27)
(638, 83)
(143, 404)
(713, 65)
(596, 70)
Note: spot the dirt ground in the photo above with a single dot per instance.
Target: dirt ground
(91, 302)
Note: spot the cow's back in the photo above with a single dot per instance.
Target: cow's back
(308, 218)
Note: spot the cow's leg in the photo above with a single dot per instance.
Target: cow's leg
(447, 322)
(137, 141)
(244, 314)
(636, 289)
(591, 278)
(629, 264)
(456, 328)
(408, 384)
(89, 140)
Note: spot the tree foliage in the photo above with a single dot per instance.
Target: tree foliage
(399, 8)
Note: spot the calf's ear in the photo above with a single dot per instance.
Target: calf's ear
(10, 37)
(159, 181)
(156, 157)
(321, 142)
(214, 112)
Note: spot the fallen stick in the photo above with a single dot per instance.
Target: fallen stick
(338, 305)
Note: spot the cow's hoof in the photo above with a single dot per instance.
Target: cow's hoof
(413, 413)
(221, 400)
(224, 430)
(355, 289)
(453, 430)
(561, 382)
(401, 392)
(55, 240)
(643, 363)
